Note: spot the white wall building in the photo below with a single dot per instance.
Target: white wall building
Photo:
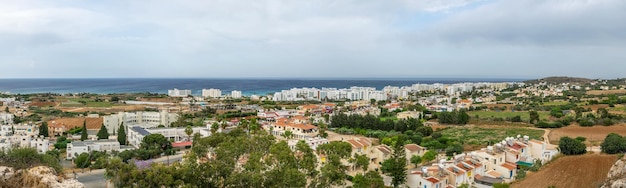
(141, 118)
(178, 93)
(6, 118)
(235, 94)
(78, 147)
(211, 93)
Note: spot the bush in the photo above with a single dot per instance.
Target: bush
(570, 146)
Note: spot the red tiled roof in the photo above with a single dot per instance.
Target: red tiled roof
(384, 148)
(181, 144)
(509, 166)
(413, 147)
(354, 144)
(432, 180)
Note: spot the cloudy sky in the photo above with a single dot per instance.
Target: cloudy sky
(316, 38)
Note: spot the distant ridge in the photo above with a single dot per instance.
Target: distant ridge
(560, 80)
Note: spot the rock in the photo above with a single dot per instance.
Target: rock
(40, 176)
(616, 177)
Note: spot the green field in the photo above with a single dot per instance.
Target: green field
(484, 136)
(505, 114)
(88, 103)
(555, 103)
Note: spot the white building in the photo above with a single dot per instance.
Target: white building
(141, 118)
(178, 93)
(6, 118)
(78, 147)
(211, 93)
(235, 94)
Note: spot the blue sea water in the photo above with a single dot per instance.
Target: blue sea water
(247, 86)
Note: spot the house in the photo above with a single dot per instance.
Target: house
(429, 177)
(135, 134)
(144, 119)
(78, 147)
(381, 153)
(299, 126)
(413, 149)
(360, 145)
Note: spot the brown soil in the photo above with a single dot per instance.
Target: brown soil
(588, 170)
(605, 92)
(113, 109)
(593, 134)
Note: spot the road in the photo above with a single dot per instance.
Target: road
(95, 178)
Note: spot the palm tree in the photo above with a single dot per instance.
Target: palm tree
(188, 131)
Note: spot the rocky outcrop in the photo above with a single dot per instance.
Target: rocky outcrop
(617, 175)
(39, 176)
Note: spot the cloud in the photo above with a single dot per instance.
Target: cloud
(284, 38)
(535, 22)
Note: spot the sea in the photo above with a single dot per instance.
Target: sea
(248, 86)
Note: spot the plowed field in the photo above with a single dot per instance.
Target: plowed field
(593, 134)
(588, 170)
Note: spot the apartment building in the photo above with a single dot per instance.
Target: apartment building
(178, 93)
(211, 93)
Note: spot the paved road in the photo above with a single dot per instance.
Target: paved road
(96, 178)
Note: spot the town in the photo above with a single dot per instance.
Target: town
(418, 136)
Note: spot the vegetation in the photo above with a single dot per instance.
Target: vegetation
(613, 143)
(264, 163)
(570, 146)
(121, 135)
(396, 165)
(103, 133)
(24, 158)
(43, 129)
(83, 134)
(61, 143)
(454, 117)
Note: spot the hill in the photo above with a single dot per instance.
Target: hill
(560, 80)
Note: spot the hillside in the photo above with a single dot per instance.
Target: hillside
(560, 80)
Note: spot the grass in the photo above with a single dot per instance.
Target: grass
(88, 103)
(484, 136)
(504, 114)
(555, 103)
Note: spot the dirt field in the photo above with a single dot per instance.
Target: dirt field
(112, 109)
(593, 134)
(605, 92)
(571, 171)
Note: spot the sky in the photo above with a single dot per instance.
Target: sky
(313, 39)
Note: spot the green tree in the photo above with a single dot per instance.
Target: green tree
(429, 156)
(361, 161)
(6, 109)
(153, 145)
(188, 131)
(307, 161)
(288, 134)
(43, 129)
(83, 134)
(396, 165)
(341, 149)
(103, 133)
(371, 179)
(534, 117)
(416, 159)
(214, 127)
(121, 135)
(603, 113)
(613, 143)
(82, 161)
(570, 146)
